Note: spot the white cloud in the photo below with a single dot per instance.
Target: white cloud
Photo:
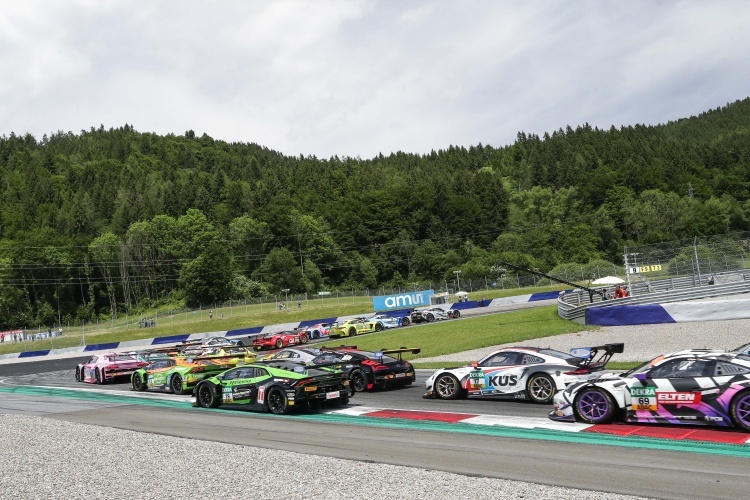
(362, 77)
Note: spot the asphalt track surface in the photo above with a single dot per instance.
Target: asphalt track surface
(612, 467)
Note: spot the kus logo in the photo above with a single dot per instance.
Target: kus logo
(677, 398)
(502, 380)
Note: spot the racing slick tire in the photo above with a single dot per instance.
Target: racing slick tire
(138, 384)
(304, 339)
(315, 334)
(343, 401)
(352, 332)
(378, 327)
(278, 404)
(99, 376)
(357, 381)
(456, 314)
(175, 384)
(207, 397)
(279, 344)
(594, 406)
(739, 410)
(429, 318)
(447, 386)
(79, 374)
(540, 388)
(405, 321)
(240, 343)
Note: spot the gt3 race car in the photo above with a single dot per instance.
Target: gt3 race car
(695, 387)
(531, 373)
(388, 321)
(293, 354)
(371, 370)
(278, 340)
(318, 330)
(178, 374)
(354, 327)
(277, 387)
(244, 354)
(430, 314)
(196, 346)
(107, 367)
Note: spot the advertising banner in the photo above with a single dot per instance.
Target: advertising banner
(402, 300)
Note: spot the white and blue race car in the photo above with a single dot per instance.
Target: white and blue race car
(526, 373)
(386, 321)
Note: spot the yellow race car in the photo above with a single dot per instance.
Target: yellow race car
(354, 327)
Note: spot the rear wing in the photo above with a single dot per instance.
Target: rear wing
(210, 357)
(400, 351)
(342, 347)
(589, 354)
(301, 366)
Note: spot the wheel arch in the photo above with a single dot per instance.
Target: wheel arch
(619, 401)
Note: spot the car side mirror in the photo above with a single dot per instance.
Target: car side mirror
(640, 376)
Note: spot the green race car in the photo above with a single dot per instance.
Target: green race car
(278, 387)
(354, 327)
(177, 374)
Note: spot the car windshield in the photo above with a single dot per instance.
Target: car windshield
(558, 354)
(642, 368)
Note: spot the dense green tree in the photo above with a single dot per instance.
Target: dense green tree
(207, 279)
(280, 270)
(567, 195)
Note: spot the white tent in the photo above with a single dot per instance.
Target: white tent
(608, 280)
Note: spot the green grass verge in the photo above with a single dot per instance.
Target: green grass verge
(448, 337)
(180, 322)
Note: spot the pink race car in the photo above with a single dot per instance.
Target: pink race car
(106, 367)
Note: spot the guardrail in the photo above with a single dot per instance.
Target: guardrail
(573, 305)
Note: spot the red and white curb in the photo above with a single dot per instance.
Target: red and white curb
(662, 432)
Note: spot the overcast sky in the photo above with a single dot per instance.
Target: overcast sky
(357, 78)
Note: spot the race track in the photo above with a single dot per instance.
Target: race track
(611, 467)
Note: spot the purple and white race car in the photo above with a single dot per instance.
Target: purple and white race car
(694, 387)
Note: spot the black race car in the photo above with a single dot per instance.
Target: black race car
(274, 386)
(370, 370)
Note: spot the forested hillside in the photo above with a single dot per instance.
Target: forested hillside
(103, 221)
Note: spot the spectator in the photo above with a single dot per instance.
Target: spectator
(211, 314)
(711, 280)
(605, 294)
(299, 304)
(620, 293)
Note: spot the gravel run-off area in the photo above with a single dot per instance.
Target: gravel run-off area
(46, 458)
(642, 342)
